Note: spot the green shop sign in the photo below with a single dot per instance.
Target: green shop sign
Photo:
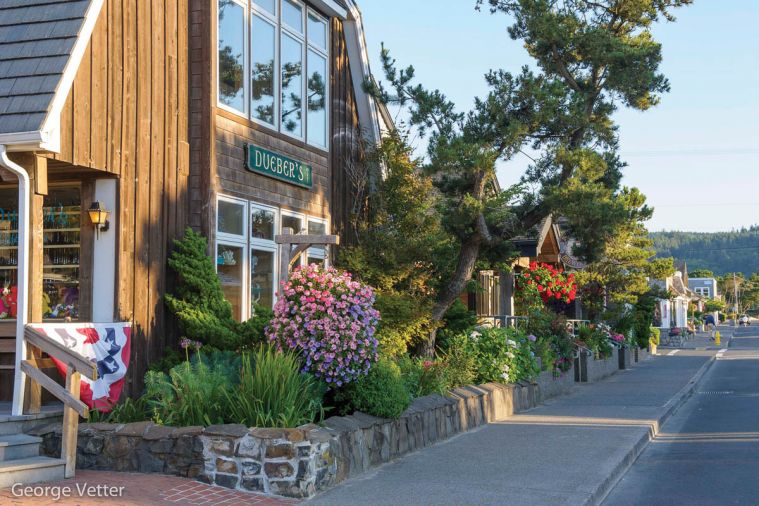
(278, 166)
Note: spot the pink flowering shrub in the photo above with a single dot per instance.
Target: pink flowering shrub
(330, 320)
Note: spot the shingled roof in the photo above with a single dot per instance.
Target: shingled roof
(37, 40)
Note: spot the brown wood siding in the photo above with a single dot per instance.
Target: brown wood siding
(346, 138)
(126, 116)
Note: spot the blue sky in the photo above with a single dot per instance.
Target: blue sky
(696, 156)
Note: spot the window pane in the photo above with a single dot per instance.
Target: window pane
(261, 279)
(231, 54)
(315, 260)
(292, 222)
(262, 37)
(292, 86)
(262, 224)
(317, 99)
(8, 249)
(316, 228)
(292, 15)
(229, 269)
(230, 218)
(267, 5)
(62, 211)
(317, 31)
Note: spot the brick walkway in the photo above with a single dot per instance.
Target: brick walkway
(139, 490)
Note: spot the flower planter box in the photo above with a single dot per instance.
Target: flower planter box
(643, 355)
(590, 369)
(293, 462)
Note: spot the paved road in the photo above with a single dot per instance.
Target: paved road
(708, 452)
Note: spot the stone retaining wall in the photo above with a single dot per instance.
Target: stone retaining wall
(589, 369)
(552, 386)
(295, 462)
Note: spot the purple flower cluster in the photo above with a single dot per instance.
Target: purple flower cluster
(328, 318)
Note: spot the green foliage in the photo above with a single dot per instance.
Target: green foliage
(595, 340)
(457, 320)
(198, 301)
(502, 355)
(273, 392)
(128, 411)
(701, 273)
(717, 252)
(383, 392)
(424, 377)
(192, 393)
(401, 249)
(654, 336)
(460, 361)
(553, 342)
(712, 305)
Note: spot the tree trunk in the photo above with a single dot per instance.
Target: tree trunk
(468, 254)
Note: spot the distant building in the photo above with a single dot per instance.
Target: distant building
(705, 287)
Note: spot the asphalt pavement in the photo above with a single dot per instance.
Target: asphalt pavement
(571, 450)
(708, 452)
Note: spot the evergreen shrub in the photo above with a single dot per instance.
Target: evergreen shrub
(382, 392)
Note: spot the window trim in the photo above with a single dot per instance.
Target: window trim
(244, 300)
(315, 251)
(274, 22)
(275, 273)
(250, 8)
(257, 240)
(245, 63)
(245, 208)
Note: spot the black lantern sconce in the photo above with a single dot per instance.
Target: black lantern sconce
(99, 217)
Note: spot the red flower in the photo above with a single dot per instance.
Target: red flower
(558, 295)
(540, 288)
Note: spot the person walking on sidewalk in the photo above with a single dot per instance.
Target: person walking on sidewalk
(710, 325)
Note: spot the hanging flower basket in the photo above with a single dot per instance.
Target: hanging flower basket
(547, 283)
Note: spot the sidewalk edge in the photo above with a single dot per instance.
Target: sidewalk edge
(680, 398)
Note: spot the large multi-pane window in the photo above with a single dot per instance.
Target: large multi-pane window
(284, 53)
(247, 256)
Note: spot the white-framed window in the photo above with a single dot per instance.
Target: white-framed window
(704, 291)
(247, 257)
(317, 254)
(273, 66)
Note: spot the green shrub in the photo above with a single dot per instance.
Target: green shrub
(654, 336)
(273, 392)
(424, 377)
(198, 301)
(502, 355)
(457, 320)
(382, 392)
(406, 321)
(461, 362)
(128, 411)
(192, 393)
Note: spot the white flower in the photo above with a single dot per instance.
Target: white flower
(506, 368)
(511, 343)
(505, 376)
(509, 354)
(475, 335)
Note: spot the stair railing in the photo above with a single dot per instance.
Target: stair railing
(73, 407)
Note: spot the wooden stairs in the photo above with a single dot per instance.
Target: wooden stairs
(20, 460)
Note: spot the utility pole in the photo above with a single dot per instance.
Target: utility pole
(735, 292)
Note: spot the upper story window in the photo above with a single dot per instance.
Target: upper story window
(282, 45)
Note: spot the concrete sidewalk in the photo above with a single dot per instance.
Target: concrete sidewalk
(569, 451)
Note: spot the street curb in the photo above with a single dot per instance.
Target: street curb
(600, 493)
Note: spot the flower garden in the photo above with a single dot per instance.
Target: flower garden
(322, 351)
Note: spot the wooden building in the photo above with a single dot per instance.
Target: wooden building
(236, 117)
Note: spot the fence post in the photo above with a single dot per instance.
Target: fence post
(70, 423)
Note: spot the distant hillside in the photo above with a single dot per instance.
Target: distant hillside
(720, 252)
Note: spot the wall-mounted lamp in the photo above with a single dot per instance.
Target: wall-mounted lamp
(99, 217)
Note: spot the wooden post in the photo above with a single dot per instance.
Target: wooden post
(70, 424)
(507, 293)
(284, 258)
